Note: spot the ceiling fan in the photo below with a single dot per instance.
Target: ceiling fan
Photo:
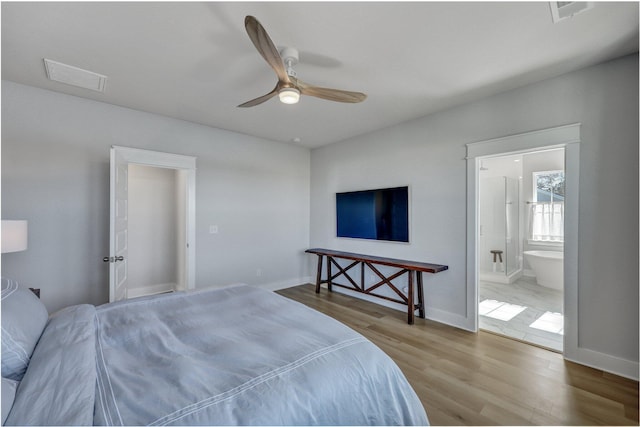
(288, 88)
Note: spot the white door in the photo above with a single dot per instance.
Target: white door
(118, 239)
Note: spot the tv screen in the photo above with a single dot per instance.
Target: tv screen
(374, 214)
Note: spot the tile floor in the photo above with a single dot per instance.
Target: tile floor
(522, 310)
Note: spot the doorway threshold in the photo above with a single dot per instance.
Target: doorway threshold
(148, 291)
(544, 347)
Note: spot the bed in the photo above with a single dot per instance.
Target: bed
(238, 355)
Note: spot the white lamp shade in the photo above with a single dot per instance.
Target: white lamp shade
(14, 236)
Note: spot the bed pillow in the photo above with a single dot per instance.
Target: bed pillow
(23, 320)
(8, 396)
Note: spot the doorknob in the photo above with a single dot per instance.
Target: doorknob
(106, 259)
(119, 258)
(113, 259)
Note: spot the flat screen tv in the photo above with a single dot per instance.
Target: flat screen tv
(381, 214)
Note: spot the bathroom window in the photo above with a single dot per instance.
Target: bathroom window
(546, 221)
(548, 186)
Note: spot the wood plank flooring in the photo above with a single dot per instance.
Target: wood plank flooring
(464, 378)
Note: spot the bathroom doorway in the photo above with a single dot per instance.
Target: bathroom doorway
(520, 246)
(566, 137)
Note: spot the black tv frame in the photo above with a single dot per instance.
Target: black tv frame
(379, 214)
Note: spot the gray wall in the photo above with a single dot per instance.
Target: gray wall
(55, 174)
(428, 154)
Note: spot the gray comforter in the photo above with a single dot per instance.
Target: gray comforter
(233, 356)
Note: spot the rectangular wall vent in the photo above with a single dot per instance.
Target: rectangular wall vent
(566, 9)
(74, 76)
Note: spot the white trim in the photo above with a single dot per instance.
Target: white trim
(272, 286)
(528, 141)
(290, 283)
(571, 250)
(567, 136)
(186, 164)
(447, 318)
(156, 158)
(473, 182)
(501, 277)
(435, 314)
(150, 290)
(605, 362)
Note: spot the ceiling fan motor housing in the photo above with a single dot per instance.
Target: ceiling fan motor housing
(289, 55)
(290, 58)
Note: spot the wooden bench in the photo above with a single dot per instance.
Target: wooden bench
(410, 267)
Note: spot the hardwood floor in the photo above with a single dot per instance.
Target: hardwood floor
(464, 378)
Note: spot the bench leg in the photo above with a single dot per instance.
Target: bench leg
(420, 295)
(329, 259)
(410, 308)
(319, 274)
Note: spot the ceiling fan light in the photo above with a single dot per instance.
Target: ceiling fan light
(289, 95)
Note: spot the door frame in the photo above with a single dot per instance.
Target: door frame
(567, 137)
(186, 165)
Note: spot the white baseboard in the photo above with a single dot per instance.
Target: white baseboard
(289, 283)
(605, 362)
(500, 277)
(150, 290)
(370, 298)
(451, 319)
(431, 313)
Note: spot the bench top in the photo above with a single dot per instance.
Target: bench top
(391, 262)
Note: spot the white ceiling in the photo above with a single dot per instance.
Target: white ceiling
(194, 61)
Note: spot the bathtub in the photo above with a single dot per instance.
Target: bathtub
(548, 266)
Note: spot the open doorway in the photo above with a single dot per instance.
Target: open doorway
(152, 223)
(521, 246)
(156, 236)
(568, 138)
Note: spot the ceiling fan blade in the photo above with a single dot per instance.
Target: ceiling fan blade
(265, 46)
(330, 94)
(260, 99)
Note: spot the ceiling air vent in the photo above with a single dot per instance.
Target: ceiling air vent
(566, 9)
(74, 76)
